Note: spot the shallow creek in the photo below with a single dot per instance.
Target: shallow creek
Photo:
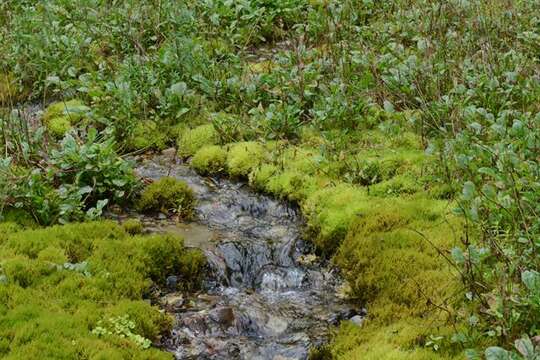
(265, 296)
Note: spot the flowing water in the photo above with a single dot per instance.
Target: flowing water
(265, 296)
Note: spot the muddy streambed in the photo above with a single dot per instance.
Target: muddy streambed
(264, 297)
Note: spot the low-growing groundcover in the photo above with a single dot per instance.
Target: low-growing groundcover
(77, 291)
(417, 119)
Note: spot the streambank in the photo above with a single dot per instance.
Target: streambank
(265, 296)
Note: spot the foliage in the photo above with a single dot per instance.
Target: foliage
(328, 103)
(77, 182)
(122, 327)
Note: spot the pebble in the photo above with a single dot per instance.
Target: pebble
(357, 320)
(169, 153)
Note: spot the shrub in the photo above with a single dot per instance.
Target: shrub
(168, 194)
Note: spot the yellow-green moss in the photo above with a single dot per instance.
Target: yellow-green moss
(60, 117)
(243, 157)
(392, 259)
(330, 211)
(147, 135)
(133, 226)
(210, 160)
(48, 309)
(18, 216)
(405, 184)
(191, 140)
(401, 340)
(168, 194)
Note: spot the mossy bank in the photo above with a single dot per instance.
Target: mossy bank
(78, 291)
(388, 229)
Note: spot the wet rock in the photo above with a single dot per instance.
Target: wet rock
(172, 282)
(173, 302)
(169, 153)
(357, 320)
(224, 316)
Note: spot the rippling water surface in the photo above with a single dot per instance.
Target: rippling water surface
(264, 297)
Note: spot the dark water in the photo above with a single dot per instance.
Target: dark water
(265, 297)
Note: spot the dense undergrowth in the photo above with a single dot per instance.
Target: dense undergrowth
(406, 130)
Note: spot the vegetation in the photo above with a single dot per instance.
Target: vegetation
(407, 131)
(66, 293)
(168, 194)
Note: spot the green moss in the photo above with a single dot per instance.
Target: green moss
(391, 257)
(191, 140)
(60, 117)
(244, 157)
(330, 211)
(18, 216)
(133, 226)
(401, 340)
(48, 310)
(147, 135)
(58, 126)
(210, 160)
(400, 185)
(168, 194)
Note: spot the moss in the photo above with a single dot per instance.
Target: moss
(19, 216)
(400, 185)
(49, 311)
(60, 117)
(330, 211)
(391, 257)
(401, 340)
(53, 254)
(133, 226)
(191, 140)
(244, 157)
(58, 126)
(147, 135)
(168, 194)
(210, 160)
(260, 176)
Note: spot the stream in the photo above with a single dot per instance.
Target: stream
(265, 296)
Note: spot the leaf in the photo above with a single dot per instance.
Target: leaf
(119, 182)
(179, 88)
(497, 353)
(468, 190)
(531, 279)
(525, 347)
(458, 256)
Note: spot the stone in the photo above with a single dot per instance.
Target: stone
(169, 153)
(357, 320)
(223, 316)
(172, 281)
